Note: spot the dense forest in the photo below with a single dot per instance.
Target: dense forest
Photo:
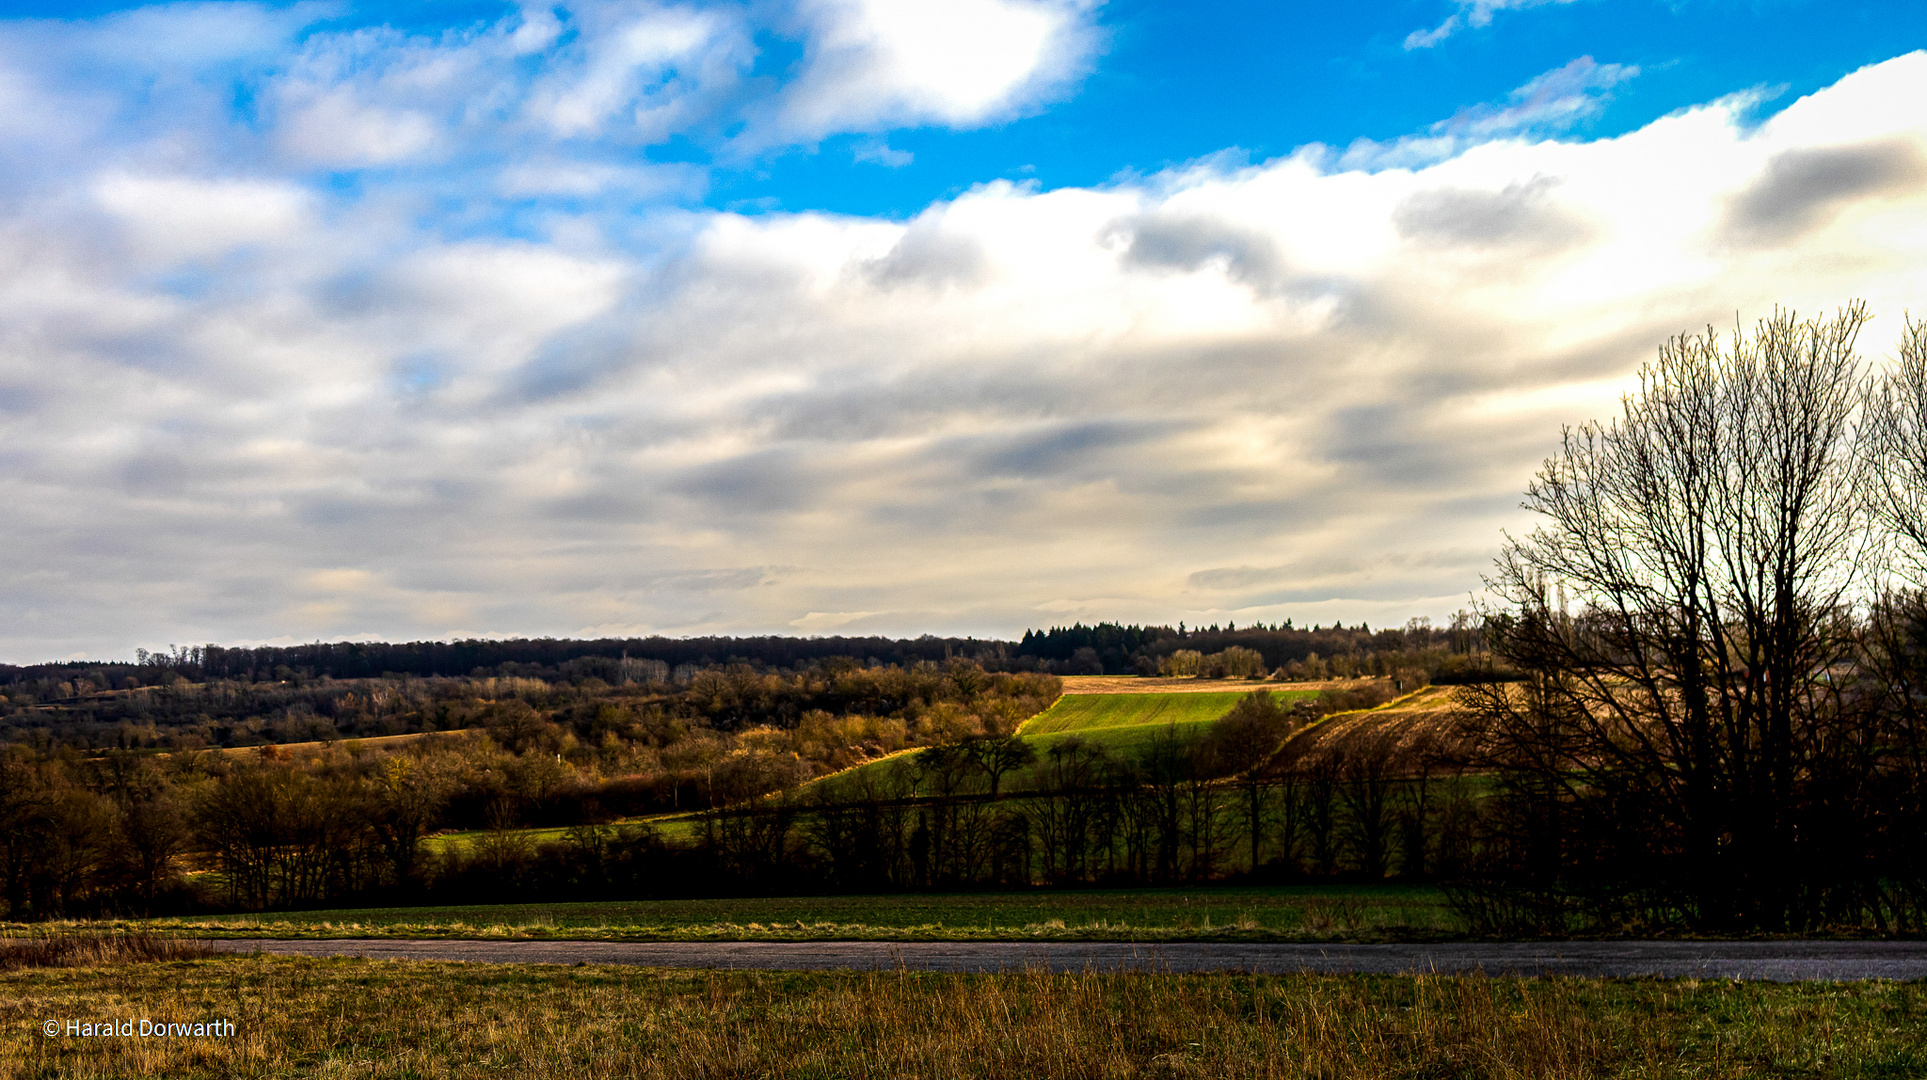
(1104, 649)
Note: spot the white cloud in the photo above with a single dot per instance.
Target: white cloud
(821, 622)
(169, 218)
(1555, 100)
(1473, 13)
(579, 87)
(335, 130)
(876, 64)
(1550, 103)
(881, 153)
(644, 69)
(192, 35)
(558, 176)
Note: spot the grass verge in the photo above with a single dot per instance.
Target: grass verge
(1285, 913)
(387, 1019)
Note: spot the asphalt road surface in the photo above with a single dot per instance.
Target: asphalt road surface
(1782, 961)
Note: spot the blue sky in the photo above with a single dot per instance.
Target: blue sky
(400, 321)
(1167, 83)
(1182, 81)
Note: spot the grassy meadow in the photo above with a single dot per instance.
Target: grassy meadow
(673, 827)
(376, 1019)
(1286, 913)
(1092, 712)
(1124, 723)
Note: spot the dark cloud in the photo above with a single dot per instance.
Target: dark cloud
(1402, 445)
(1236, 577)
(1246, 577)
(857, 404)
(726, 579)
(1801, 190)
(1518, 216)
(607, 502)
(155, 474)
(1089, 447)
(926, 255)
(572, 361)
(1255, 519)
(765, 482)
(1186, 242)
(22, 398)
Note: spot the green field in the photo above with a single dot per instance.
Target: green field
(1089, 712)
(384, 1018)
(1275, 913)
(675, 827)
(1125, 724)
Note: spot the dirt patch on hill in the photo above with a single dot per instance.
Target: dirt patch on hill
(1427, 725)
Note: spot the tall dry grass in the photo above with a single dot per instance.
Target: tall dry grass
(95, 948)
(381, 1019)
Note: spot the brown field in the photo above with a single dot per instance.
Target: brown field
(1406, 727)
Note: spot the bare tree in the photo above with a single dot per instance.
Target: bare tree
(402, 800)
(1896, 638)
(997, 755)
(1241, 741)
(1682, 608)
(1897, 423)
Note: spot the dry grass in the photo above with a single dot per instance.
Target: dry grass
(96, 948)
(382, 1019)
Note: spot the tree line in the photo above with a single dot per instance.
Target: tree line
(975, 808)
(1107, 648)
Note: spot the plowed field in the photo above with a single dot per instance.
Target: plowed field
(1427, 721)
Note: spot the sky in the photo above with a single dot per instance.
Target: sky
(445, 319)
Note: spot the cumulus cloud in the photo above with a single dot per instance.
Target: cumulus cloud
(241, 400)
(886, 63)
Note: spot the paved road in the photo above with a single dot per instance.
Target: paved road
(1783, 961)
